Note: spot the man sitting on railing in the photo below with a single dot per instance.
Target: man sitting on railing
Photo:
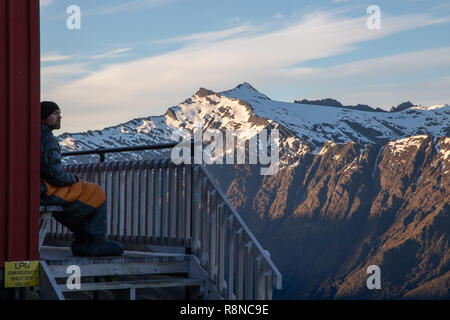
(84, 203)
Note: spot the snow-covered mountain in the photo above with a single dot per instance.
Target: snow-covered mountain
(306, 127)
(436, 106)
(354, 188)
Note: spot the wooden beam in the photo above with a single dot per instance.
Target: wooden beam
(117, 269)
(135, 284)
(48, 288)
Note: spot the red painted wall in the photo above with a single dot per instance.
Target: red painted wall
(19, 129)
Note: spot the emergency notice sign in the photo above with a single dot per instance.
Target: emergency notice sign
(21, 274)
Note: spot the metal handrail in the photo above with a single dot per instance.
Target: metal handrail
(102, 151)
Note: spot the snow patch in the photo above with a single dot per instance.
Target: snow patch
(326, 147)
(434, 107)
(445, 151)
(375, 166)
(399, 146)
(69, 143)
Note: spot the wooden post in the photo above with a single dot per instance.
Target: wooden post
(135, 206)
(180, 217)
(157, 207)
(240, 265)
(49, 289)
(171, 198)
(143, 185)
(164, 204)
(197, 212)
(115, 201)
(248, 270)
(259, 279)
(150, 201)
(204, 224)
(188, 206)
(231, 242)
(221, 250)
(109, 200)
(268, 280)
(128, 213)
(189, 201)
(122, 201)
(132, 293)
(213, 237)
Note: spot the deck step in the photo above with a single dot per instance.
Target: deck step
(130, 268)
(130, 271)
(136, 284)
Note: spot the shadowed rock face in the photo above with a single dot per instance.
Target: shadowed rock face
(348, 207)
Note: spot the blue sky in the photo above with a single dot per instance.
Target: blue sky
(136, 58)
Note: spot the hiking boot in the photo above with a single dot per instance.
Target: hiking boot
(96, 246)
(100, 247)
(80, 245)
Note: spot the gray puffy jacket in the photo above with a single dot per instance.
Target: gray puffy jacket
(51, 165)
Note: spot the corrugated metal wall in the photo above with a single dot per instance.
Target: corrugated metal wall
(19, 129)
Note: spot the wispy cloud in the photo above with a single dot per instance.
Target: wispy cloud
(111, 54)
(44, 3)
(278, 16)
(55, 76)
(134, 5)
(54, 56)
(233, 21)
(379, 81)
(65, 70)
(149, 85)
(241, 30)
(57, 57)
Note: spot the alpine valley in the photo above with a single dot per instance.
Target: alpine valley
(355, 187)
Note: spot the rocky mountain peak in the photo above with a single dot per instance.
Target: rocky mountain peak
(245, 92)
(402, 106)
(202, 92)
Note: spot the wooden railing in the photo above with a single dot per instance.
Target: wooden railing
(159, 203)
(226, 247)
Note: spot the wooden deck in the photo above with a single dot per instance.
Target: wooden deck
(63, 255)
(158, 203)
(133, 270)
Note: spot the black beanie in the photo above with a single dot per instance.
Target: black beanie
(47, 108)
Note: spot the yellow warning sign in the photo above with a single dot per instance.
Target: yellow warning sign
(21, 274)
